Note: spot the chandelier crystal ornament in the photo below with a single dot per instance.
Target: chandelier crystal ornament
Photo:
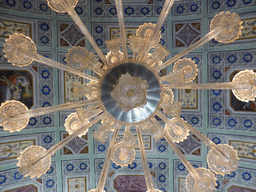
(128, 93)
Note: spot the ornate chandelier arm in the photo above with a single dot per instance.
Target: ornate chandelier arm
(104, 172)
(72, 13)
(222, 159)
(120, 14)
(216, 86)
(60, 145)
(55, 64)
(225, 27)
(144, 160)
(212, 34)
(165, 11)
(20, 50)
(51, 109)
(203, 138)
(179, 153)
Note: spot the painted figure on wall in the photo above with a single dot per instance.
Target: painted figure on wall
(16, 85)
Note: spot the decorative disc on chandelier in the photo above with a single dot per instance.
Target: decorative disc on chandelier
(8, 110)
(223, 162)
(14, 44)
(27, 163)
(246, 76)
(111, 80)
(206, 182)
(57, 5)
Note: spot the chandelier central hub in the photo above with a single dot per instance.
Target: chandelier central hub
(130, 92)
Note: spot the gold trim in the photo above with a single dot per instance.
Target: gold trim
(247, 37)
(16, 142)
(10, 190)
(65, 72)
(85, 186)
(114, 28)
(242, 142)
(240, 187)
(29, 24)
(179, 96)
(181, 178)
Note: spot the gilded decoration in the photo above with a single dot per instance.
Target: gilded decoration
(12, 150)
(115, 32)
(146, 141)
(69, 80)
(77, 184)
(189, 97)
(10, 27)
(244, 149)
(249, 29)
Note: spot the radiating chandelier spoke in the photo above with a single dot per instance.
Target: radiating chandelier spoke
(31, 166)
(225, 28)
(14, 117)
(201, 182)
(165, 11)
(55, 64)
(222, 159)
(104, 172)
(214, 86)
(51, 109)
(147, 174)
(20, 50)
(205, 39)
(120, 14)
(72, 13)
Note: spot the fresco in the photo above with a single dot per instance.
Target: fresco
(30, 188)
(244, 149)
(240, 189)
(70, 79)
(130, 183)
(12, 150)
(115, 32)
(17, 85)
(10, 27)
(238, 105)
(249, 29)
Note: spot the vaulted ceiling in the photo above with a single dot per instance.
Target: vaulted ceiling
(77, 167)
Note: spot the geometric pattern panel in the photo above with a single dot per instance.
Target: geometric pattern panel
(144, 8)
(223, 5)
(186, 33)
(131, 178)
(239, 181)
(79, 145)
(225, 110)
(13, 181)
(180, 173)
(106, 31)
(76, 175)
(151, 146)
(191, 146)
(70, 35)
(186, 8)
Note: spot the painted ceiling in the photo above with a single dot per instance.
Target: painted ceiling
(77, 167)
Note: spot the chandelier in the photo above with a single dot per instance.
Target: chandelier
(129, 93)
